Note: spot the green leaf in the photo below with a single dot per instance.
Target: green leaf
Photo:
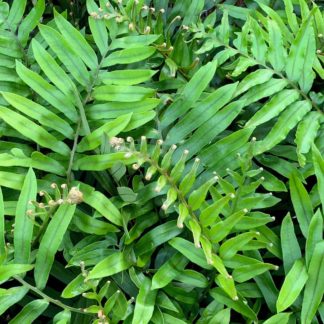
(318, 161)
(39, 113)
(201, 113)
(285, 123)
(111, 265)
(75, 288)
(111, 128)
(306, 134)
(30, 312)
(53, 71)
(157, 236)
(276, 54)
(10, 297)
(315, 235)
(314, 289)
(145, 302)
(289, 243)
(30, 21)
(23, 232)
(259, 47)
(48, 92)
(273, 108)
(63, 317)
(293, 284)
(247, 272)
(278, 318)
(16, 13)
(92, 225)
(190, 94)
(50, 243)
(102, 162)
(214, 126)
(291, 17)
(227, 284)
(300, 50)
(77, 42)
(122, 93)
(101, 203)
(264, 90)
(128, 56)
(9, 270)
(33, 131)
(229, 248)
(65, 52)
(133, 41)
(3, 251)
(169, 271)
(189, 250)
(115, 109)
(222, 228)
(237, 305)
(257, 77)
(126, 77)
(301, 202)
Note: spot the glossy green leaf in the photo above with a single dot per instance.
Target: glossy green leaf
(190, 93)
(127, 77)
(229, 248)
(53, 70)
(169, 271)
(247, 272)
(237, 305)
(301, 202)
(318, 161)
(23, 233)
(289, 243)
(77, 42)
(101, 203)
(277, 54)
(111, 265)
(9, 270)
(48, 92)
(278, 318)
(300, 49)
(306, 134)
(10, 297)
(314, 289)
(111, 128)
(33, 131)
(128, 56)
(122, 93)
(285, 123)
(133, 41)
(157, 236)
(50, 243)
(3, 251)
(39, 113)
(30, 312)
(276, 105)
(30, 21)
(292, 286)
(65, 52)
(315, 235)
(189, 250)
(145, 302)
(75, 288)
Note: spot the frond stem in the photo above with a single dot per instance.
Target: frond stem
(48, 298)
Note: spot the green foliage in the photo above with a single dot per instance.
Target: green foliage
(161, 161)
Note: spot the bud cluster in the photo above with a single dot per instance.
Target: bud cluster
(61, 196)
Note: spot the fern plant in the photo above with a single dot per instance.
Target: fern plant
(162, 163)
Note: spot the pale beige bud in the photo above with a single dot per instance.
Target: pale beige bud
(75, 195)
